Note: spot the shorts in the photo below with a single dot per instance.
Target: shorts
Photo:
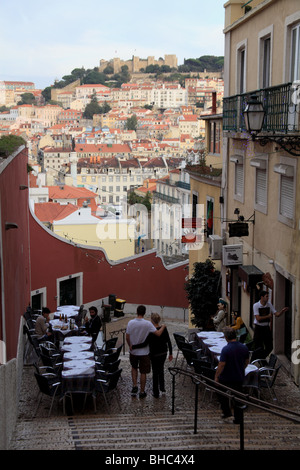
(141, 362)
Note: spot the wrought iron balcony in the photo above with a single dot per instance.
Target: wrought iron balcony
(183, 185)
(280, 105)
(165, 197)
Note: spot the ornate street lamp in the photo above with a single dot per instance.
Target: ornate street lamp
(254, 115)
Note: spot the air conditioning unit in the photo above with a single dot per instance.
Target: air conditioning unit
(215, 246)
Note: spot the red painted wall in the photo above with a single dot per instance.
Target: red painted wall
(143, 279)
(15, 282)
(33, 258)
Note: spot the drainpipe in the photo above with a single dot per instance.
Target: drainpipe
(214, 103)
(2, 293)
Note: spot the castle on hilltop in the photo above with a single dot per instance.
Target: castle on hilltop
(136, 64)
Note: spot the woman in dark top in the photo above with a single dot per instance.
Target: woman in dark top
(159, 346)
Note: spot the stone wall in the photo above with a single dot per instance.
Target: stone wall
(10, 389)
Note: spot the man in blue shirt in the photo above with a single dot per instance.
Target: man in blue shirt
(231, 371)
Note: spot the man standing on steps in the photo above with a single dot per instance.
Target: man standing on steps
(137, 331)
(231, 372)
(263, 312)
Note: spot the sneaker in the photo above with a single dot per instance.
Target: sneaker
(134, 390)
(163, 392)
(225, 416)
(143, 394)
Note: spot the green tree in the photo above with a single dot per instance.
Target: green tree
(109, 70)
(27, 98)
(92, 108)
(94, 76)
(10, 143)
(47, 93)
(131, 123)
(203, 291)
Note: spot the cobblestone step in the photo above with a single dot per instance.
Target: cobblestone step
(161, 432)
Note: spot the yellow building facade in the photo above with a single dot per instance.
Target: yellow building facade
(262, 175)
(115, 236)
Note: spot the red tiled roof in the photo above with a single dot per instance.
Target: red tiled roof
(50, 211)
(70, 192)
(103, 148)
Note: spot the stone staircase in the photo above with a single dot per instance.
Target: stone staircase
(159, 432)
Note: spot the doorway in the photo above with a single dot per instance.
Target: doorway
(288, 320)
(284, 324)
(69, 289)
(67, 292)
(36, 302)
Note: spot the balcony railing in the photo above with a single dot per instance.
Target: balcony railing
(165, 197)
(183, 185)
(282, 114)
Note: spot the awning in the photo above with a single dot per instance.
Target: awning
(250, 274)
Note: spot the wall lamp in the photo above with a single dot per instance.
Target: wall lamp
(254, 115)
(10, 225)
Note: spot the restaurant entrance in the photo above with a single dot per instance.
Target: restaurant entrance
(67, 292)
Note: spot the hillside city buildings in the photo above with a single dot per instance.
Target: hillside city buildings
(102, 154)
(219, 189)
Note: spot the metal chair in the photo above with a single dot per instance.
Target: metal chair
(109, 357)
(267, 363)
(181, 342)
(266, 379)
(47, 386)
(109, 344)
(33, 344)
(109, 367)
(108, 385)
(207, 372)
(52, 363)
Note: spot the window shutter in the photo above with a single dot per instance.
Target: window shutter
(287, 197)
(261, 189)
(239, 180)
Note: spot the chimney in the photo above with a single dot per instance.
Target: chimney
(214, 103)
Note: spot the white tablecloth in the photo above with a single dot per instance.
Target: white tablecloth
(210, 334)
(62, 327)
(68, 308)
(78, 340)
(75, 347)
(78, 355)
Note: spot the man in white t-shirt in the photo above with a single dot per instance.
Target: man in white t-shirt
(263, 312)
(137, 332)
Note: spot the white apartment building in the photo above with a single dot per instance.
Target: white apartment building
(170, 206)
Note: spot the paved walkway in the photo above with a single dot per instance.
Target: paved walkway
(148, 423)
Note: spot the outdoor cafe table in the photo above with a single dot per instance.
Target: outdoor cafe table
(214, 342)
(67, 310)
(61, 330)
(78, 374)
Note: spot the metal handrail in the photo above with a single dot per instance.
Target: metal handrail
(241, 398)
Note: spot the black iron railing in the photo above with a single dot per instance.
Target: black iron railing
(282, 112)
(241, 399)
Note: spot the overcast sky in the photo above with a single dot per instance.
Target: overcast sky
(43, 41)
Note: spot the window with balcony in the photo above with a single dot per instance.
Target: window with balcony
(265, 57)
(295, 53)
(241, 67)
